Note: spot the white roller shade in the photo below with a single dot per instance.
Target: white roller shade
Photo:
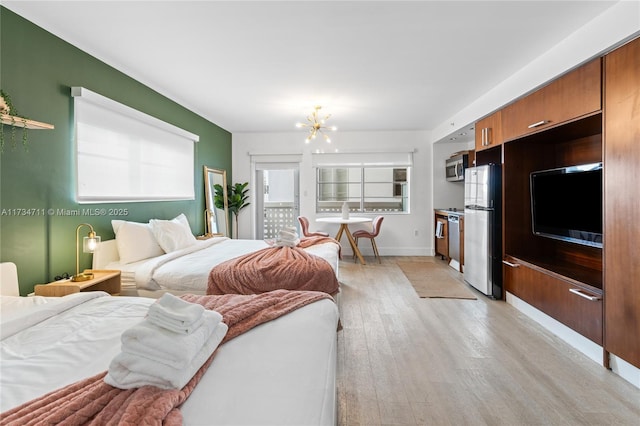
(124, 155)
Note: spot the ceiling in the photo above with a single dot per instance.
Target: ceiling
(261, 66)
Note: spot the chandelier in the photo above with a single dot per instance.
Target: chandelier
(316, 125)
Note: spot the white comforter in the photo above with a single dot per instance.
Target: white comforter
(281, 372)
(188, 269)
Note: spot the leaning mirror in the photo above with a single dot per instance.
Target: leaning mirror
(216, 213)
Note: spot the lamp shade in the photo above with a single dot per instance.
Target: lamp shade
(89, 244)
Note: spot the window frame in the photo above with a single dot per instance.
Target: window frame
(361, 199)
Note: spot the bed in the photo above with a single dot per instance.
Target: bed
(280, 372)
(156, 262)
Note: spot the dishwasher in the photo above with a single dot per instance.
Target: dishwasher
(454, 241)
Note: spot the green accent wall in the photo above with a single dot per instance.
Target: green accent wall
(37, 69)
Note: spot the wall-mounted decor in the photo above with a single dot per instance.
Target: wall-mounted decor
(9, 115)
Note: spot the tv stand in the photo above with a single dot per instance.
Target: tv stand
(560, 278)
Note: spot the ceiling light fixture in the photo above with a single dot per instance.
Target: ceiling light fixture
(316, 125)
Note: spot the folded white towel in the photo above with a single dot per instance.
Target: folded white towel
(287, 235)
(163, 346)
(128, 371)
(161, 320)
(286, 243)
(174, 308)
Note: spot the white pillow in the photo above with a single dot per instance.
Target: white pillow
(135, 241)
(174, 234)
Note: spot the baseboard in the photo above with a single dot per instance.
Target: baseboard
(366, 250)
(622, 368)
(592, 350)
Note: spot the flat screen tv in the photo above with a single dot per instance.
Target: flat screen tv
(566, 204)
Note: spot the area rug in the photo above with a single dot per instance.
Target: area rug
(431, 280)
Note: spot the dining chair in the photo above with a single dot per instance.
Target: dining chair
(375, 230)
(304, 226)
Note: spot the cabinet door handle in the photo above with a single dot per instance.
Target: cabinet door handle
(513, 265)
(538, 124)
(580, 293)
(482, 137)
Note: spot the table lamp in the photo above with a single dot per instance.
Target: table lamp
(89, 244)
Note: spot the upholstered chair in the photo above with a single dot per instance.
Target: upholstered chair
(375, 230)
(304, 226)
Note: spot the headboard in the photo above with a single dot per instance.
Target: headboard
(9, 279)
(105, 253)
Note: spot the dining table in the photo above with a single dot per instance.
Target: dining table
(344, 229)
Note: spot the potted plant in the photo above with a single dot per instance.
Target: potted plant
(236, 199)
(7, 108)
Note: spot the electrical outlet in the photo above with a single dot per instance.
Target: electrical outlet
(415, 233)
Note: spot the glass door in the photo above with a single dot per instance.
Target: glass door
(277, 199)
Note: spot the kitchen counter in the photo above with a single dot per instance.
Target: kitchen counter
(450, 210)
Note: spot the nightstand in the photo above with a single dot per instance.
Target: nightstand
(104, 280)
(205, 236)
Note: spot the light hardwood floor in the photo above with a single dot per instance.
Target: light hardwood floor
(403, 360)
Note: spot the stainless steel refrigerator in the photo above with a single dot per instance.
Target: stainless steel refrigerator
(483, 229)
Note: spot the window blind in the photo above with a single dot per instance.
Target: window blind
(124, 155)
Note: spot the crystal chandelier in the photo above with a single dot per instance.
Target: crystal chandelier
(316, 125)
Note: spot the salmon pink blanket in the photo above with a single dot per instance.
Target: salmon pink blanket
(93, 402)
(272, 268)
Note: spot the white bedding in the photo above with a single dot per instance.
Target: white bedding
(188, 269)
(281, 372)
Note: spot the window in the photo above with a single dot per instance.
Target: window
(124, 155)
(370, 182)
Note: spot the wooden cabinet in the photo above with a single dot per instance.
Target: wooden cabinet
(554, 276)
(574, 95)
(489, 131)
(622, 207)
(442, 237)
(568, 301)
(104, 280)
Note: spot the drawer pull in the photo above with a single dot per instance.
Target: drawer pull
(513, 265)
(486, 136)
(583, 294)
(538, 124)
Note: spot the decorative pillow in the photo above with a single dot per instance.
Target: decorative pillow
(135, 241)
(174, 234)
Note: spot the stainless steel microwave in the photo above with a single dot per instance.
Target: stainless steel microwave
(455, 166)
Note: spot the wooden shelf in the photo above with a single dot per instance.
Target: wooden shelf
(23, 122)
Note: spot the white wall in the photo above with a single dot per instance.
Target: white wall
(618, 23)
(398, 235)
(447, 194)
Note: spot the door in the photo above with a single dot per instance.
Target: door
(278, 199)
(483, 193)
(476, 247)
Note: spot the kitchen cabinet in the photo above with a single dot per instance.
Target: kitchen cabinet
(574, 95)
(489, 131)
(442, 237)
(621, 183)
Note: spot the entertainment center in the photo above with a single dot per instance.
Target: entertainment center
(573, 262)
